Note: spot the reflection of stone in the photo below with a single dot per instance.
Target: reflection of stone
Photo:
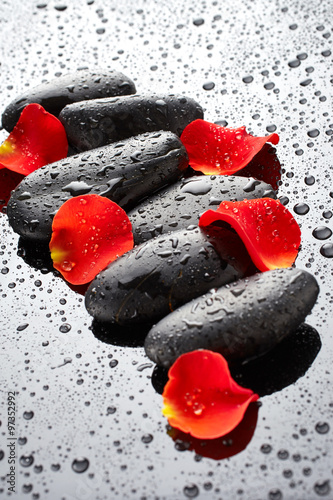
(37, 256)
(223, 447)
(282, 366)
(124, 336)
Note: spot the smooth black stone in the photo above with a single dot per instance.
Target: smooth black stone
(241, 321)
(158, 276)
(74, 87)
(124, 172)
(99, 122)
(181, 204)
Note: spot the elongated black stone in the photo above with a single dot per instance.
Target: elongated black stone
(154, 278)
(98, 122)
(66, 89)
(241, 321)
(123, 172)
(181, 204)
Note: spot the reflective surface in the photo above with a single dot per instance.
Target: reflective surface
(88, 418)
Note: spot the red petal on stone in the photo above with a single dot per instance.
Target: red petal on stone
(213, 149)
(37, 140)
(201, 398)
(88, 232)
(268, 230)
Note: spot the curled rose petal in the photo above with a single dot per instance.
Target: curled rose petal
(268, 230)
(88, 232)
(201, 398)
(37, 140)
(213, 149)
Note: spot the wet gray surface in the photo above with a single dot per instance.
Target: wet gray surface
(88, 419)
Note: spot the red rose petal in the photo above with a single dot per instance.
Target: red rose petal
(88, 232)
(201, 398)
(213, 149)
(268, 230)
(37, 140)
(8, 181)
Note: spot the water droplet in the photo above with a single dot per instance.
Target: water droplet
(26, 460)
(313, 133)
(283, 454)
(208, 86)
(111, 410)
(327, 250)
(191, 491)
(55, 467)
(327, 214)
(147, 438)
(248, 79)
(309, 180)
(113, 363)
(266, 448)
(198, 22)
(66, 327)
(322, 232)
(27, 488)
(28, 415)
(301, 208)
(322, 488)
(294, 64)
(22, 327)
(322, 427)
(275, 495)
(80, 465)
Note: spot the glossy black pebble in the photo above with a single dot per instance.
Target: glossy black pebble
(66, 89)
(123, 172)
(154, 278)
(181, 204)
(241, 321)
(98, 122)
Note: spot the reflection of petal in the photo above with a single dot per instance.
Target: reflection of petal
(224, 447)
(265, 166)
(8, 181)
(124, 336)
(282, 366)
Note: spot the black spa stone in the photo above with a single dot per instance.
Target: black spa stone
(124, 172)
(66, 89)
(98, 122)
(158, 276)
(241, 321)
(181, 204)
